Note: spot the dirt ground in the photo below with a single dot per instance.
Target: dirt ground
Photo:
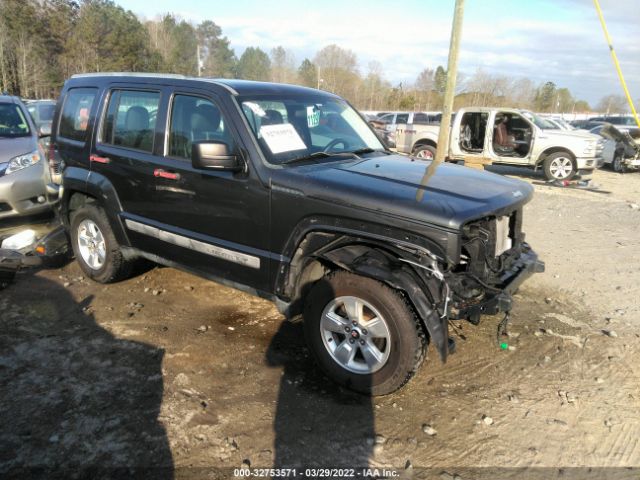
(169, 372)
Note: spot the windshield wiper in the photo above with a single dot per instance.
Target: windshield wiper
(321, 155)
(369, 150)
(347, 154)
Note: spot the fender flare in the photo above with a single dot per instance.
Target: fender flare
(422, 291)
(97, 186)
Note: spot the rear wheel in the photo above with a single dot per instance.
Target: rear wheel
(425, 152)
(95, 246)
(363, 334)
(560, 166)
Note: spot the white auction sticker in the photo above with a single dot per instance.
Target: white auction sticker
(282, 138)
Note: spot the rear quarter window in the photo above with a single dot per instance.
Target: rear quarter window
(76, 112)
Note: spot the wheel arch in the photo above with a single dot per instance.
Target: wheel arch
(82, 187)
(551, 150)
(424, 141)
(322, 252)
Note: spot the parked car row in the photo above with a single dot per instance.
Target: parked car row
(508, 136)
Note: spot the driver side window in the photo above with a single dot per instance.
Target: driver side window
(195, 119)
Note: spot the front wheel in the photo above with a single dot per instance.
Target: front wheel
(560, 166)
(425, 152)
(617, 164)
(363, 334)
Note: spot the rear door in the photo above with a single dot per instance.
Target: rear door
(76, 118)
(125, 147)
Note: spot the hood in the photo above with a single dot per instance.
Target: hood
(621, 138)
(396, 185)
(12, 147)
(578, 134)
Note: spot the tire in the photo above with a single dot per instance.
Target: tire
(91, 233)
(560, 166)
(617, 164)
(425, 152)
(399, 339)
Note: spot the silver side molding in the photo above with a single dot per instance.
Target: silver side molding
(202, 247)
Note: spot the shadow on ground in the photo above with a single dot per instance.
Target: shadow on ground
(317, 424)
(76, 401)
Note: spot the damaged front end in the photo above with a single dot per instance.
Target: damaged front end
(495, 261)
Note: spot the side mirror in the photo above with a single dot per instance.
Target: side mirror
(44, 130)
(210, 155)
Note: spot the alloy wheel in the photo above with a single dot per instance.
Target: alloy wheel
(355, 334)
(91, 244)
(561, 167)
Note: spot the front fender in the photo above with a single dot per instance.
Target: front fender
(425, 293)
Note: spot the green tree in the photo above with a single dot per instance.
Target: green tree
(254, 64)
(217, 57)
(107, 38)
(440, 80)
(546, 99)
(183, 55)
(565, 101)
(282, 65)
(308, 73)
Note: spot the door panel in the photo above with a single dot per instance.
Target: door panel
(214, 221)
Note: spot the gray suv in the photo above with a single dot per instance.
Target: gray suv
(25, 180)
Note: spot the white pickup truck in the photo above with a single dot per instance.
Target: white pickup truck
(507, 136)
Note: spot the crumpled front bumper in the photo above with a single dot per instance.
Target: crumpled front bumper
(526, 265)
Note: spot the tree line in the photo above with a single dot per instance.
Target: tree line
(43, 42)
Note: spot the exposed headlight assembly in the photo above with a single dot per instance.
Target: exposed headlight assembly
(23, 161)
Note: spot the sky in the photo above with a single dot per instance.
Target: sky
(557, 40)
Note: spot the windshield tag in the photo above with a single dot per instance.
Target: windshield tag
(313, 117)
(282, 138)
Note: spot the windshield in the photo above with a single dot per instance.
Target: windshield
(294, 126)
(539, 121)
(13, 122)
(46, 111)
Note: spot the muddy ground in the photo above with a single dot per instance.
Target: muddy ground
(170, 372)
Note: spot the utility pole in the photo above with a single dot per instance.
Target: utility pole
(450, 89)
(198, 59)
(449, 93)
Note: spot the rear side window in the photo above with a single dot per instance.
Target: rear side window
(75, 113)
(402, 118)
(131, 119)
(420, 118)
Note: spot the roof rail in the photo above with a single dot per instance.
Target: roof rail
(128, 74)
(155, 75)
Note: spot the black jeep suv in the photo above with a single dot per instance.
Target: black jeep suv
(287, 193)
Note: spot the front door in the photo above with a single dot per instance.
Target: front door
(511, 138)
(213, 221)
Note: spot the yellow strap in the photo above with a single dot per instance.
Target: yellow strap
(615, 61)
